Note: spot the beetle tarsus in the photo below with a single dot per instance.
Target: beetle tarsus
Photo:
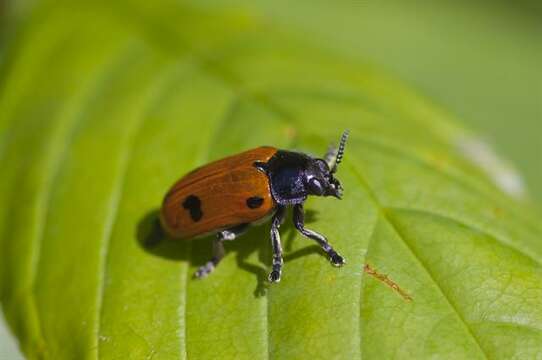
(204, 270)
(274, 276)
(336, 259)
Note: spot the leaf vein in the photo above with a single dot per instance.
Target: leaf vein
(153, 96)
(382, 210)
(360, 332)
(489, 234)
(468, 183)
(45, 203)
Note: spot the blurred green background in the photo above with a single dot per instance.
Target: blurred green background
(480, 60)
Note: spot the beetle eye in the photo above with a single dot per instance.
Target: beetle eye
(316, 187)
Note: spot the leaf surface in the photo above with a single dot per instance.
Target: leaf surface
(105, 105)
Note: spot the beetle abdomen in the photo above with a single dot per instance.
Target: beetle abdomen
(220, 195)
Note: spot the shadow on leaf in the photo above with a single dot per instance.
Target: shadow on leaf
(152, 238)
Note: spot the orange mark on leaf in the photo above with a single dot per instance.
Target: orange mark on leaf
(386, 280)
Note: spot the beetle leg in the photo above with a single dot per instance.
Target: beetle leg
(261, 166)
(331, 156)
(218, 249)
(278, 218)
(299, 222)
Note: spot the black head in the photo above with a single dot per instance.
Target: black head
(319, 180)
(319, 177)
(294, 176)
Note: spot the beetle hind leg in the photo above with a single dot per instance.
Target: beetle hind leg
(218, 249)
(299, 221)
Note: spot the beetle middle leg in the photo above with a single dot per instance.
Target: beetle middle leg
(218, 249)
(299, 222)
(278, 219)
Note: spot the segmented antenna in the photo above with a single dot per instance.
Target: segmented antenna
(340, 153)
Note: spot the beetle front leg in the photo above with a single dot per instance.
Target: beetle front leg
(299, 222)
(218, 249)
(278, 218)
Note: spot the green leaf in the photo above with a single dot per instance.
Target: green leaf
(104, 105)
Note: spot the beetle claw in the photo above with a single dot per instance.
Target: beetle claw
(274, 276)
(205, 270)
(337, 260)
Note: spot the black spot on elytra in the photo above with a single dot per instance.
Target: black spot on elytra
(254, 202)
(193, 204)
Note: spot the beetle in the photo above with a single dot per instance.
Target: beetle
(226, 196)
